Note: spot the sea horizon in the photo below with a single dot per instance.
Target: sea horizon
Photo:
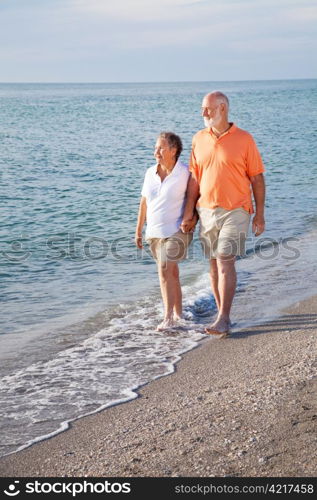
(154, 81)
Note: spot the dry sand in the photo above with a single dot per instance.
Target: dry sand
(243, 406)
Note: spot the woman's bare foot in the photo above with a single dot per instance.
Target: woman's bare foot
(166, 324)
(179, 320)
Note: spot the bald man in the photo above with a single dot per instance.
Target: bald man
(225, 167)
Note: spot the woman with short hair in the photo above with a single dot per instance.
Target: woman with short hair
(162, 206)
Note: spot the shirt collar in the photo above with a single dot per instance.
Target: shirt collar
(176, 167)
(232, 129)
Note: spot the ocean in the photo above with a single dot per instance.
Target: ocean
(79, 302)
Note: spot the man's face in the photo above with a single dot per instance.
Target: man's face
(210, 111)
(163, 153)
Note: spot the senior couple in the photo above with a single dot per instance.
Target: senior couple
(225, 168)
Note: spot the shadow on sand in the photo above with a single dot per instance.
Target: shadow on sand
(286, 323)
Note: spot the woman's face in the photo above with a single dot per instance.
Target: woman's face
(163, 153)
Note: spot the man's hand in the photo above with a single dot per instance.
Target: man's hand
(188, 225)
(138, 241)
(258, 224)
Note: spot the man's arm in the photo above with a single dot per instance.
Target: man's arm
(258, 188)
(140, 223)
(192, 195)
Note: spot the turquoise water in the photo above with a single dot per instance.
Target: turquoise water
(73, 159)
(74, 289)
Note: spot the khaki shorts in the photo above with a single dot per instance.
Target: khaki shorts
(173, 249)
(223, 232)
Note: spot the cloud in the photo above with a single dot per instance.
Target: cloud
(276, 45)
(183, 24)
(134, 9)
(156, 10)
(132, 39)
(306, 13)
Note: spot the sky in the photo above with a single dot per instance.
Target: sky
(157, 40)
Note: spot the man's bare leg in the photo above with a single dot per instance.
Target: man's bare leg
(227, 282)
(171, 293)
(214, 281)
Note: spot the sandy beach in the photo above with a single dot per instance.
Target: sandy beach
(243, 407)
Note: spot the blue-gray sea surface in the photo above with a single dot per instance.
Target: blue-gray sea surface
(79, 303)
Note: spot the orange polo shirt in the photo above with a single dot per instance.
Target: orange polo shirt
(223, 167)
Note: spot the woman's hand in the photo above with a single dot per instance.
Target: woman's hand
(138, 241)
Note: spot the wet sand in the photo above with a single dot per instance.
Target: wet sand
(243, 406)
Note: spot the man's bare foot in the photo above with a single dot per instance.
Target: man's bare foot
(166, 324)
(220, 328)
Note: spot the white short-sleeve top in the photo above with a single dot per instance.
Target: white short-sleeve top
(165, 200)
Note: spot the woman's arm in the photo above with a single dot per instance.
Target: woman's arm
(140, 223)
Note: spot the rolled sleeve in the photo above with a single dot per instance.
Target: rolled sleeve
(254, 161)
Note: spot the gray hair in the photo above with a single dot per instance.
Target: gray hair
(174, 141)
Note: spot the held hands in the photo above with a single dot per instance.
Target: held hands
(188, 225)
(258, 224)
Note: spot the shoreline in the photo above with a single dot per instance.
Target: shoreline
(241, 406)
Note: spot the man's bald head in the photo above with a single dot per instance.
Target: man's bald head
(215, 110)
(218, 97)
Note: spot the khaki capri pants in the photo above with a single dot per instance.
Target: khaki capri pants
(171, 249)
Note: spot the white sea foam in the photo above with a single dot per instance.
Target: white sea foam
(102, 370)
